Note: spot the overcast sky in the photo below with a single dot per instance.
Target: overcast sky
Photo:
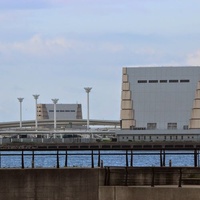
(57, 47)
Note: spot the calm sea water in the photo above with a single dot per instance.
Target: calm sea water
(83, 159)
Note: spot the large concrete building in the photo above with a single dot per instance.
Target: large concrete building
(63, 111)
(160, 98)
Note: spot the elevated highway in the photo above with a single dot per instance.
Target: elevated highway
(60, 123)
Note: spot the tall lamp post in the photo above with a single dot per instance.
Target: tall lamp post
(36, 119)
(88, 89)
(55, 101)
(20, 101)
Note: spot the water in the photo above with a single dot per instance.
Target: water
(10, 159)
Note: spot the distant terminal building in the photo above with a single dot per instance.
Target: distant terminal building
(63, 111)
(160, 98)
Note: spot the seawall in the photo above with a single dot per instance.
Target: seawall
(85, 184)
(148, 193)
(49, 184)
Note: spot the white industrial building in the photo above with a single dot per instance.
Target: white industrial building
(160, 98)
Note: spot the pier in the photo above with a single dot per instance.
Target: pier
(97, 150)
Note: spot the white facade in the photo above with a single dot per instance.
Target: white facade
(160, 98)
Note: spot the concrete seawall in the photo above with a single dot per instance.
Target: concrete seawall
(82, 184)
(49, 184)
(148, 193)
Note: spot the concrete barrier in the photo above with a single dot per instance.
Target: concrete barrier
(49, 184)
(148, 193)
(87, 184)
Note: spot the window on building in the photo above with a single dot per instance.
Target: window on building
(172, 126)
(151, 125)
(184, 81)
(173, 81)
(185, 127)
(50, 110)
(142, 81)
(153, 81)
(163, 81)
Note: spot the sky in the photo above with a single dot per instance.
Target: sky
(55, 48)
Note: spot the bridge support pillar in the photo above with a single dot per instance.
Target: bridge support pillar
(66, 158)
(99, 158)
(22, 159)
(195, 158)
(33, 160)
(131, 162)
(57, 155)
(126, 158)
(162, 158)
(92, 159)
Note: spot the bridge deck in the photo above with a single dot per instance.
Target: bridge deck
(101, 146)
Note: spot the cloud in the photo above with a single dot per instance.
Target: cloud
(30, 4)
(39, 46)
(194, 58)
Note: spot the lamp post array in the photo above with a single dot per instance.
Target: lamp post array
(88, 89)
(20, 110)
(36, 119)
(55, 101)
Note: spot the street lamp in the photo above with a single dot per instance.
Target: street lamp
(36, 119)
(55, 101)
(88, 89)
(20, 101)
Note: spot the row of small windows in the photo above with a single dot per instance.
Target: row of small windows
(169, 126)
(165, 81)
(146, 137)
(153, 126)
(62, 110)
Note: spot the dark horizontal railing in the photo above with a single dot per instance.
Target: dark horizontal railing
(103, 146)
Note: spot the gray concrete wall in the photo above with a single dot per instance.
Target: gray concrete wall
(84, 184)
(148, 193)
(49, 184)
